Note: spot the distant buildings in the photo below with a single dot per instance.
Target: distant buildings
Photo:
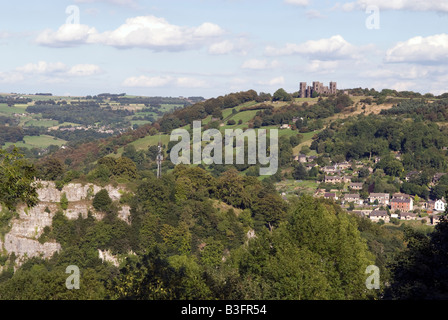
(318, 88)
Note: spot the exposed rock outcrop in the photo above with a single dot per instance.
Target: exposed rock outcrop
(22, 239)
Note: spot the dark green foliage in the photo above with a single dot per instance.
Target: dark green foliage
(16, 180)
(281, 95)
(420, 272)
(102, 201)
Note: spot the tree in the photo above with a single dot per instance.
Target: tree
(420, 271)
(125, 167)
(317, 254)
(299, 172)
(16, 180)
(102, 201)
(64, 201)
(51, 169)
(281, 95)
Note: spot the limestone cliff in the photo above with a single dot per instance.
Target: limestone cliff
(30, 223)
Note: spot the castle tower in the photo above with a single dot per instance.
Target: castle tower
(302, 90)
(333, 88)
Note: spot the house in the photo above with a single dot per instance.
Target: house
(330, 169)
(408, 216)
(377, 215)
(356, 185)
(439, 205)
(403, 205)
(400, 196)
(346, 179)
(394, 215)
(302, 158)
(330, 195)
(333, 179)
(344, 165)
(353, 197)
(383, 198)
(285, 126)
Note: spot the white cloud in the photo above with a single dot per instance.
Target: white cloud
(332, 48)
(412, 5)
(67, 35)
(186, 82)
(431, 49)
(84, 70)
(42, 67)
(302, 3)
(274, 81)
(222, 47)
(49, 72)
(10, 77)
(256, 64)
(146, 82)
(162, 81)
(144, 31)
(318, 66)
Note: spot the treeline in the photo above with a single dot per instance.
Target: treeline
(10, 101)
(201, 110)
(419, 143)
(432, 111)
(11, 134)
(82, 113)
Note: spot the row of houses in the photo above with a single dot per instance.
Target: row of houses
(397, 202)
(378, 215)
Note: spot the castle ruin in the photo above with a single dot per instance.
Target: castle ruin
(318, 88)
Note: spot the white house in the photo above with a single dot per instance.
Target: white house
(440, 205)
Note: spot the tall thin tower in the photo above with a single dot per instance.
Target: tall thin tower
(159, 162)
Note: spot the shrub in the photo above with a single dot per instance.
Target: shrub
(102, 201)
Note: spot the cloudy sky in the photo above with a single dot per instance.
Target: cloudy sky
(214, 47)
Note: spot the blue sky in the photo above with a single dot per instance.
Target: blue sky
(214, 47)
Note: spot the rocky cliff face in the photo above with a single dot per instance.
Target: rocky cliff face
(29, 225)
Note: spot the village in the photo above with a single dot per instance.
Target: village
(340, 182)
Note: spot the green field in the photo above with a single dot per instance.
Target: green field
(42, 141)
(245, 116)
(41, 123)
(10, 110)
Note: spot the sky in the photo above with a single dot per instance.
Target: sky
(214, 47)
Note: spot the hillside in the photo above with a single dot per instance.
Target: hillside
(360, 177)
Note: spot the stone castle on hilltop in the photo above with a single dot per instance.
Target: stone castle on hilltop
(317, 87)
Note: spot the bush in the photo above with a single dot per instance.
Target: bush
(102, 201)
(64, 201)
